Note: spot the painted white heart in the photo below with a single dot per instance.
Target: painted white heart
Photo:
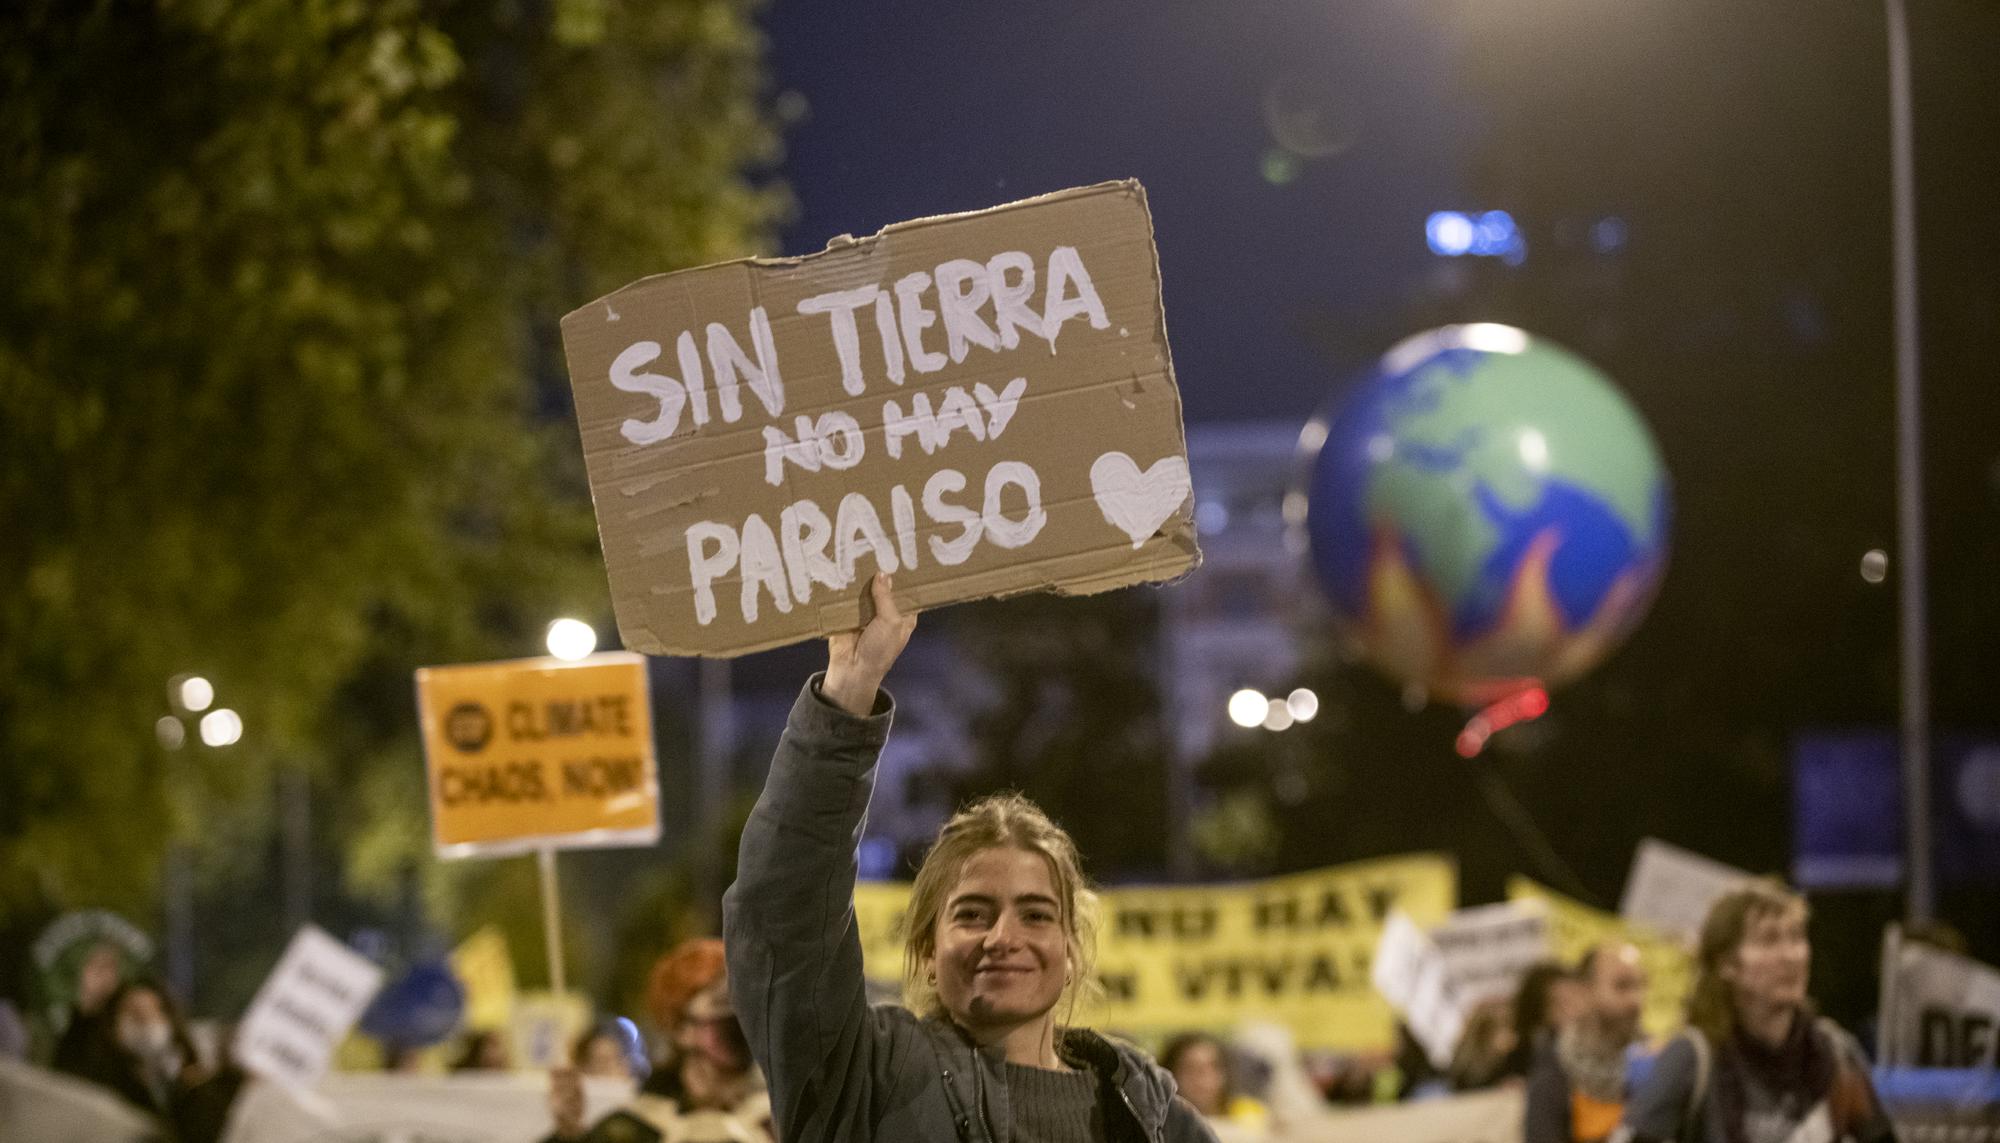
(1135, 502)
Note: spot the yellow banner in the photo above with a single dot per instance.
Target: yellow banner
(539, 753)
(483, 964)
(1294, 949)
(1574, 927)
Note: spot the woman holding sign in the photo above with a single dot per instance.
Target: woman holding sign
(999, 947)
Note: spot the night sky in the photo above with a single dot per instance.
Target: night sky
(1743, 148)
(910, 112)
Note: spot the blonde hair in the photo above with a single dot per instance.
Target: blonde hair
(1712, 1002)
(1002, 821)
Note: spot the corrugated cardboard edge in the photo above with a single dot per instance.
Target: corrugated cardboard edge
(1179, 530)
(845, 243)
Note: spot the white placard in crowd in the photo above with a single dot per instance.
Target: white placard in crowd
(41, 1106)
(1487, 949)
(1939, 1010)
(305, 1008)
(1481, 1117)
(1670, 889)
(1411, 975)
(374, 1107)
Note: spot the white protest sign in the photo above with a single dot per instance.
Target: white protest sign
(1670, 888)
(1487, 949)
(1412, 976)
(1939, 1010)
(1494, 1116)
(981, 404)
(41, 1106)
(305, 1008)
(374, 1107)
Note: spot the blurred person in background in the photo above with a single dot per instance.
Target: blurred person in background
(1480, 1060)
(98, 977)
(485, 1051)
(1756, 1064)
(704, 1087)
(1200, 1066)
(1548, 998)
(13, 1032)
(1576, 1088)
(601, 1052)
(142, 1050)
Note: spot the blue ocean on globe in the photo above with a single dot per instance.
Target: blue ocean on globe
(1486, 512)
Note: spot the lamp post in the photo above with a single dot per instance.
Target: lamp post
(1920, 900)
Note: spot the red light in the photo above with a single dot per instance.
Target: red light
(1525, 706)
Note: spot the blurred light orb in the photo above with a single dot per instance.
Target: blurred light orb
(1450, 233)
(221, 727)
(571, 639)
(170, 732)
(1486, 513)
(1875, 565)
(1303, 704)
(195, 693)
(1248, 707)
(1277, 715)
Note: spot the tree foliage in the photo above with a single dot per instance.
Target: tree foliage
(280, 384)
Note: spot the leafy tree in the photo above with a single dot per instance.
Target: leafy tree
(280, 387)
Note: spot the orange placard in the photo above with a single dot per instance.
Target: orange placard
(539, 753)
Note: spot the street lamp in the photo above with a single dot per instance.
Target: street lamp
(571, 639)
(1248, 707)
(189, 695)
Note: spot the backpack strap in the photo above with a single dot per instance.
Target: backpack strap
(1697, 1102)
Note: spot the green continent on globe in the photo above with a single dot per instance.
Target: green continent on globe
(1511, 423)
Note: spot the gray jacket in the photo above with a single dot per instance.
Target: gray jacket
(839, 1069)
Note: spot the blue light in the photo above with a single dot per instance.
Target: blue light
(1608, 234)
(1495, 233)
(1450, 233)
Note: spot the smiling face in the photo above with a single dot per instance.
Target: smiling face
(1771, 966)
(1002, 951)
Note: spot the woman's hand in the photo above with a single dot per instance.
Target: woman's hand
(566, 1102)
(858, 661)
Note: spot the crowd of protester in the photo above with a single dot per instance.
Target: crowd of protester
(1754, 1054)
(998, 959)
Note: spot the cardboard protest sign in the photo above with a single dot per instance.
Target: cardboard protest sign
(982, 404)
(305, 1008)
(1293, 950)
(1670, 888)
(1939, 1010)
(539, 753)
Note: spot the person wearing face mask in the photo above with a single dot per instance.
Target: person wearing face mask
(1756, 1064)
(143, 1051)
(704, 1089)
(999, 941)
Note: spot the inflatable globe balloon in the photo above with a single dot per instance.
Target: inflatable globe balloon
(1486, 513)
